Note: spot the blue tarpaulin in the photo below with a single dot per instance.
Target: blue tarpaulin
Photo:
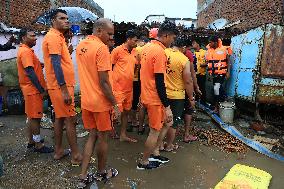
(75, 15)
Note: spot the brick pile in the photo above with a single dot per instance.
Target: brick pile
(250, 13)
(21, 13)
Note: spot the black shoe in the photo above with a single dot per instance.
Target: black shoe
(159, 158)
(150, 165)
(44, 150)
(141, 132)
(29, 146)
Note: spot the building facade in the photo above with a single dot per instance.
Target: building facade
(21, 13)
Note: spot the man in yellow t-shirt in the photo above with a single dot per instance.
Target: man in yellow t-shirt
(178, 84)
(136, 108)
(201, 68)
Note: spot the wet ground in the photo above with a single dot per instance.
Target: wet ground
(194, 165)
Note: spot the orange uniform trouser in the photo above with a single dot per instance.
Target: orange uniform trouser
(101, 121)
(60, 108)
(156, 114)
(34, 106)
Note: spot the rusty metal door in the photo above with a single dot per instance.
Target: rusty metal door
(272, 64)
(271, 82)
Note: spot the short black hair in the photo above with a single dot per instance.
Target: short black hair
(23, 32)
(54, 12)
(188, 42)
(144, 38)
(181, 41)
(197, 41)
(168, 27)
(214, 38)
(131, 34)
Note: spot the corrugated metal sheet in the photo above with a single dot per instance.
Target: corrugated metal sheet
(259, 49)
(272, 63)
(245, 62)
(235, 61)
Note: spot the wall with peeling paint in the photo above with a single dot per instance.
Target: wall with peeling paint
(257, 73)
(247, 13)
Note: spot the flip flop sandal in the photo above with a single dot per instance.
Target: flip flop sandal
(164, 147)
(189, 139)
(104, 176)
(176, 146)
(75, 164)
(93, 160)
(84, 182)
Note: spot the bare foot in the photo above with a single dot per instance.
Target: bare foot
(127, 139)
(76, 159)
(61, 154)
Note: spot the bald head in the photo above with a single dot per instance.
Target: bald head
(104, 29)
(102, 23)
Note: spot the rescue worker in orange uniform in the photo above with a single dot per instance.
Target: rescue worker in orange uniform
(217, 58)
(123, 59)
(33, 86)
(97, 99)
(60, 80)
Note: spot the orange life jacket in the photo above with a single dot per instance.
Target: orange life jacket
(218, 58)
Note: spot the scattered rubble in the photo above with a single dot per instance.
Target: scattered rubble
(267, 142)
(221, 140)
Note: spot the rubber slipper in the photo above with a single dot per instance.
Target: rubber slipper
(175, 147)
(164, 147)
(189, 139)
(75, 164)
(84, 182)
(104, 176)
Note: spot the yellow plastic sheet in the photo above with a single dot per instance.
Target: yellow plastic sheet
(244, 177)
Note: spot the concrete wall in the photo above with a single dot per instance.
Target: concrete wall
(250, 13)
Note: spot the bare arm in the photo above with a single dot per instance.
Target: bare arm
(193, 75)
(229, 67)
(187, 79)
(106, 87)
